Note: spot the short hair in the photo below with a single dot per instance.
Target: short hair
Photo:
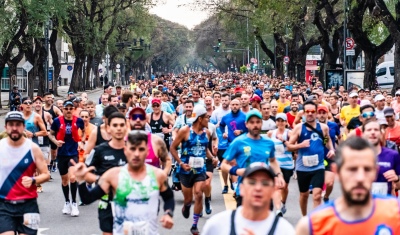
(264, 103)
(137, 137)
(368, 122)
(362, 108)
(156, 93)
(107, 111)
(196, 90)
(115, 115)
(354, 143)
(216, 93)
(83, 110)
(309, 102)
(189, 101)
(112, 96)
(225, 95)
(295, 95)
(126, 96)
(90, 102)
(47, 93)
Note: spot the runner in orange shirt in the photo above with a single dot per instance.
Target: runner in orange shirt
(84, 114)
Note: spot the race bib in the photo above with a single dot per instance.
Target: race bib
(32, 220)
(196, 162)
(40, 140)
(279, 149)
(137, 228)
(310, 161)
(161, 135)
(380, 188)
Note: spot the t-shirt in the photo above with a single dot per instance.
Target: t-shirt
(393, 133)
(347, 113)
(96, 121)
(103, 157)
(182, 121)
(246, 150)
(388, 159)
(281, 106)
(267, 125)
(70, 147)
(262, 227)
(354, 123)
(380, 115)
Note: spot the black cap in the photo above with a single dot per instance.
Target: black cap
(77, 99)
(25, 99)
(258, 166)
(121, 106)
(68, 102)
(14, 116)
(106, 86)
(388, 112)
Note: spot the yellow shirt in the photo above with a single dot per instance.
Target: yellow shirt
(347, 113)
(281, 106)
(133, 87)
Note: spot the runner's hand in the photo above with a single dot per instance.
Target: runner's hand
(237, 132)
(166, 221)
(29, 134)
(390, 175)
(247, 232)
(186, 167)
(330, 154)
(305, 143)
(225, 135)
(215, 161)
(27, 181)
(165, 130)
(59, 143)
(81, 170)
(279, 182)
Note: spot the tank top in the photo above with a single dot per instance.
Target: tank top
(136, 203)
(157, 126)
(194, 152)
(283, 156)
(384, 219)
(311, 158)
(151, 158)
(44, 141)
(51, 111)
(15, 164)
(30, 126)
(99, 138)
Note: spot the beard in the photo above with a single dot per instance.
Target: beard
(136, 127)
(355, 202)
(294, 109)
(255, 132)
(15, 136)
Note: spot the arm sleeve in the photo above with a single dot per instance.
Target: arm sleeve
(87, 196)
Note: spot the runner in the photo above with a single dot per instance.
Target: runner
(20, 158)
(254, 216)
(192, 170)
(161, 123)
(64, 133)
(250, 148)
(137, 187)
(91, 107)
(33, 122)
(311, 138)
(104, 103)
(84, 115)
(267, 122)
(356, 211)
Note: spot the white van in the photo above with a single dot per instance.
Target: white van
(385, 74)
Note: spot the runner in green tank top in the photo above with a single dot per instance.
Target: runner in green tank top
(136, 186)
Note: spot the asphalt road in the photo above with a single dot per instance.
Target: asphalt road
(53, 222)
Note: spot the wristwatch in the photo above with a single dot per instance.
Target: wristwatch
(398, 179)
(33, 180)
(277, 174)
(170, 213)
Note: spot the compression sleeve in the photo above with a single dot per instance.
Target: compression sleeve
(87, 196)
(168, 198)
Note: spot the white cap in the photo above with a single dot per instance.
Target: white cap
(397, 92)
(379, 97)
(353, 94)
(198, 111)
(364, 102)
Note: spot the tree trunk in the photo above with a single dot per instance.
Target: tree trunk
(41, 68)
(76, 80)
(370, 65)
(396, 66)
(87, 71)
(54, 55)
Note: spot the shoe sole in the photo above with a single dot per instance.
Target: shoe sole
(183, 213)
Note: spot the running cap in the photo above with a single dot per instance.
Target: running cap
(253, 112)
(137, 109)
(157, 101)
(14, 116)
(281, 116)
(379, 97)
(322, 107)
(68, 102)
(388, 112)
(353, 94)
(259, 166)
(199, 110)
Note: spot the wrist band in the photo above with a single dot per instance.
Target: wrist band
(233, 170)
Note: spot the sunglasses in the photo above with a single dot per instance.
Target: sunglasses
(368, 115)
(84, 116)
(310, 111)
(28, 102)
(397, 95)
(68, 109)
(155, 105)
(136, 116)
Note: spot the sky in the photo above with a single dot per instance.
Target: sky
(178, 11)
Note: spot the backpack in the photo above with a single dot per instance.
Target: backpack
(63, 129)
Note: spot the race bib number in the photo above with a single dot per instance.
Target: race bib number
(310, 161)
(40, 140)
(196, 162)
(161, 135)
(279, 149)
(380, 188)
(32, 220)
(137, 228)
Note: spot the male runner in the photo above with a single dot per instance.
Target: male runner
(356, 211)
(137, 187)
(267, 122)
(254, 216)
(100, 107)
(91, 107)
(20, 158)
(161, 123)
(250, 148)
(54, 112)
(192, 170)
(64, 133)
(310, 170)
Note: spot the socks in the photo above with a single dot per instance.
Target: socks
(74, 188)
(65, 190)
(49, 167)
(208, 199)
(196, 218)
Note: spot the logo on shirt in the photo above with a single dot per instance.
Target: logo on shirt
(109, 158)
(384, 164)
(383, 230)
(314, 136)
(26, 161)
(68, 129)
(247, 151)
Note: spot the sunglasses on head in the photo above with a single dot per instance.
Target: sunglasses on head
(28, 102)
(368, 115)
(136, 116)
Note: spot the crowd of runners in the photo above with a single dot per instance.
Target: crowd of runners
(157, 138)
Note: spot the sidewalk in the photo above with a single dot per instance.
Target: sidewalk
(62, 93)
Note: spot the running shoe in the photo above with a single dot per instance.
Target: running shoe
(186, 211)
(283, 208)
(194, 230)
(74, 210)
(225, 190)
(208, 206)
(67, 208)
(326, 200)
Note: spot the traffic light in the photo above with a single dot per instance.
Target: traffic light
(219, 41)
(264, 62)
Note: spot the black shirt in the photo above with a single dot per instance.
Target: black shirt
(103, 157)
(354, 123)
(96, 121)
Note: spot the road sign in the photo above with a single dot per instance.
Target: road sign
(118, 70)
(27, 66)
(286, 59)
(349, 43)
(253, 60)
(50, 75)
(69, 67)
(350, 52)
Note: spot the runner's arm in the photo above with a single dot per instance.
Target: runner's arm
(52, 138)
(291, 144)
(98, 191)
(91, 141)
(177, 141)
(162, 154)
(166, 192)
(303, 226)
(41, 165)
(57, 111)
(42, 128)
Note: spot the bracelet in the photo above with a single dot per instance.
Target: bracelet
(33, 180)
(277, 174)
(398, 179)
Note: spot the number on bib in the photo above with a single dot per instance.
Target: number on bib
(279, 149)
(380, 188)
(32, 220)
(137, 228)
(310, 161)
(196, 162)
(40, 140)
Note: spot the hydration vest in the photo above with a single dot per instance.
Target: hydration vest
(63, 129)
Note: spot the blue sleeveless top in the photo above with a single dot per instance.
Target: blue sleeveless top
(194, 152)
(282, 155)
(311, 158)
(30, 126)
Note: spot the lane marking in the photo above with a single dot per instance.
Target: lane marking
(230, 202)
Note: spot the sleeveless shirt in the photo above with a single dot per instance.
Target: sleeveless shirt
(99, 138)
(136, 203)
(15, 164)
(151, 158)
(51, 111)
(157, 126)
(282, 155)
(311, 158)
(30, 126)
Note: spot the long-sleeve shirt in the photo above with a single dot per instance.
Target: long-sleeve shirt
(234, 121)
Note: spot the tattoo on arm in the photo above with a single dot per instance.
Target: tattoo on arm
(162, 151)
